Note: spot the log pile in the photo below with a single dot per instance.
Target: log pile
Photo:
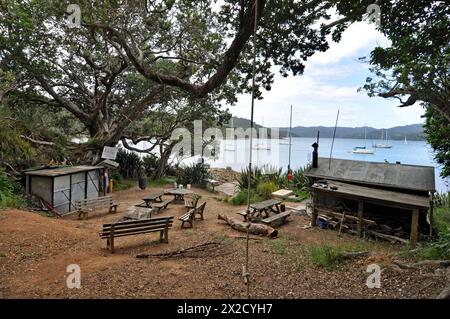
(376, 228)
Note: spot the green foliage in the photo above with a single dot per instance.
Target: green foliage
(150, 163)
(325, 256)
(414, 67)
(161, 181)
(300, 181)
(241, 198)
(194, 174)
(265, 189)
(242, 179)
(129, 164)
(8, 193)
(437, 130)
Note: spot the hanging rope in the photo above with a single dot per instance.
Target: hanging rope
(246, 271)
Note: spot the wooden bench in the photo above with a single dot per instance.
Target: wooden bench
(84, 206)
(188, 217)
(190, 201)
(161, 205)
(199, 210)
(243, 214)
(136, 227)
(277, 218)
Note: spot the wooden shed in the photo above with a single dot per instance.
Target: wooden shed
(390, 189)
(61, 187)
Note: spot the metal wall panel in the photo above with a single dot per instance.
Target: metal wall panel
(42, 187)
(92, 184)
(61, 194)
(78, 190)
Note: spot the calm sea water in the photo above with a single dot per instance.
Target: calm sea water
(414, 152)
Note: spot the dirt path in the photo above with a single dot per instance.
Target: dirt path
(35, 251)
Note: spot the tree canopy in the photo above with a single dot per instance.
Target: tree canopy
(415, 67)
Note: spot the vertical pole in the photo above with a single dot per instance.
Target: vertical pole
(290, 141)
(414, 227)
(360, 217)
(314, 208)
(431, 214)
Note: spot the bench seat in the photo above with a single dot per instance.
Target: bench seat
(136, 227)
(85, 206)
(277, 218)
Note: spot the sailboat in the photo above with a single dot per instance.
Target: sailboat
(261, 146)
(230, 147)
(383, 143)
(406, 142)
(363, 149)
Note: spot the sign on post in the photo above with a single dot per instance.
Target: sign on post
(109, 152)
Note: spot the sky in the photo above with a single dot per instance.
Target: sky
(330, 82)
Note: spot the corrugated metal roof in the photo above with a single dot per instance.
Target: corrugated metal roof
(401, 176)
(52, 172)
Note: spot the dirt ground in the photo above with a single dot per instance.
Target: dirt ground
(35, 251)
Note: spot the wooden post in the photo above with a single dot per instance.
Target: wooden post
(360, 224)
(111, 241)
(414, 227)
(315, 213)
(431, 214)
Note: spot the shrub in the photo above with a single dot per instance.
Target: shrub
(300, 181)
(324, 256)
(274, 175)
(242, 179)
(194, 174)
(241, 198)
(129, 163)
(265, 189)
(149, 163)
(8, 193)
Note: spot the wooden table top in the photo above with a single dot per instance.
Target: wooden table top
(153, 196)
(177, 191)
(265, 204)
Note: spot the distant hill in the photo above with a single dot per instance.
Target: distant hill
(411, 132)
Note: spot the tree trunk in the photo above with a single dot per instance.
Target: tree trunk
(256, 229)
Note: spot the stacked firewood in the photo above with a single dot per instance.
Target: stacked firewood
(375, 227)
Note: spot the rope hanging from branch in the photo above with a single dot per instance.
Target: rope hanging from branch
(245, 268)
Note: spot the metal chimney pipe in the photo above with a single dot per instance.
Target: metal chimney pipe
(315, 156)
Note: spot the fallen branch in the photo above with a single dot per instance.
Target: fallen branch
(196, 248)
(387, 237)
(245, 237)
(353, 254)
(423, 263)
(255, 229)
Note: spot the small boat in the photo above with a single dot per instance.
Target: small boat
(284, 141)
(406, 142)
(362, 149)
(384, 140)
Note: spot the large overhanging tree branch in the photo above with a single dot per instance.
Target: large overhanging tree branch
(123, 63)
(415, 67)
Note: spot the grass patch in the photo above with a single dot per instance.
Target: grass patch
(190, 231)
(279, 245)
(2, 255)
(328, 256)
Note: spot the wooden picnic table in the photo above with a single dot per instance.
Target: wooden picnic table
(257, 209)
(270, 205)
(153, 198)
(178, 193)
